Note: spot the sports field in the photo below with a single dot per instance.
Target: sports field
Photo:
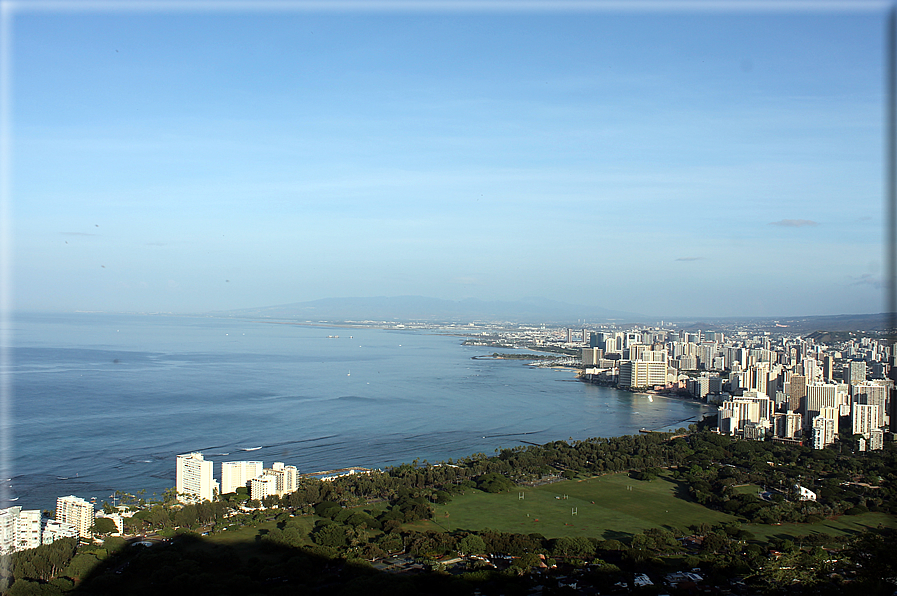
(613, 506)
(844, 524)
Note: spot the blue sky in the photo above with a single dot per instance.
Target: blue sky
(677, 163)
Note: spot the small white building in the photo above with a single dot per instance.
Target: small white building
(54, 530)
(805, 494)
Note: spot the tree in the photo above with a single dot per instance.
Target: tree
(332, 535)
(186, 517)
(573, 546)
(472, 544)
(103, 526)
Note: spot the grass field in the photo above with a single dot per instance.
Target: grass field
(613, 506)
(845, 524)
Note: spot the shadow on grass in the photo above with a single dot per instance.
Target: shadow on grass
(616, 535)
(681, 490)
(191, 564)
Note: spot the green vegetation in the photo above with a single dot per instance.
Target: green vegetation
(842, 526)
(605, 508)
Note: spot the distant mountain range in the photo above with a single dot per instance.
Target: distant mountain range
(421, 308)
(533, 311)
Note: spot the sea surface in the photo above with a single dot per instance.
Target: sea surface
(105, 402)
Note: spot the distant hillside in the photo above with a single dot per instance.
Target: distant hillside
(823, 328)
(420, 308)
(831, 337)
(836, 323)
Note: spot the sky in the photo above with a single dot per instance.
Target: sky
(675, 163)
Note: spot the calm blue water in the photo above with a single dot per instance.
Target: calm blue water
(106, 402)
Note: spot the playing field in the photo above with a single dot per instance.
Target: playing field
(612, 506)
(844, 524)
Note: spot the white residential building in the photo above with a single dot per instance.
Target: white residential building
(235, 474)
(28, 528)
(278, 480)
(263, 486)
(876, 394)
(194, 479)
(863, 418)
(19, 529)
(821, 395)
(787, 425)
(8, 518)
(287, 477)
(825, 427)
(642, 373)
(591, 356)
(735, 413)
(876, 439)
(54, 530)
(76, 512)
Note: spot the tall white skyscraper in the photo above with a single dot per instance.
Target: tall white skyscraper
(825, 426)
(76, 512)
(855, 372)
(863, 418)
(873, 393)
(194, 478)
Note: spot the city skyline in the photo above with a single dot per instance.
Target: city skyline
(726, 161)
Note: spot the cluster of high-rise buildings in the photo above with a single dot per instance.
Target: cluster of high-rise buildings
(21, 529)
(791, 388)
(195, 478)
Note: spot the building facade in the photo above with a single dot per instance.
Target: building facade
(642, 373)
(194, 479)
(53, 530)
(76, 512)
(235, 474)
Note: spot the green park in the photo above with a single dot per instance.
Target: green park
(612, 506)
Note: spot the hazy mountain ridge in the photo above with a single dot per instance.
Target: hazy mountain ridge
(534, 311)
(422, 308)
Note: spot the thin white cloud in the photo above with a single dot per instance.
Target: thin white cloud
(690, 259)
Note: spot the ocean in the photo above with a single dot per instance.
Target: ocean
(104, 402)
